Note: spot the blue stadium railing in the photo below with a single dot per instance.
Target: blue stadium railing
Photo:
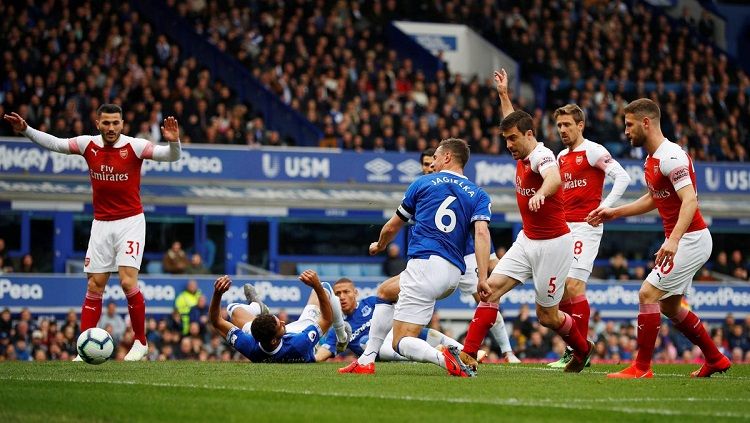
(277, 115)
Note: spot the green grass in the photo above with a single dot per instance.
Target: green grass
(220, 392)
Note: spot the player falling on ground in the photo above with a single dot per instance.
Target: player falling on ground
(444, 206)
(670, 178)
(118, 232)
(583, 167)
(358, 314)
(543, 250)
(263, 338)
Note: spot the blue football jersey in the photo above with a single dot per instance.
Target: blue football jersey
(443, 206)
(359, 320)
(295, 347)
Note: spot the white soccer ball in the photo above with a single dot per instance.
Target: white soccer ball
(95, 346)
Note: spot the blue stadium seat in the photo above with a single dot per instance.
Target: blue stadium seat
(154, 268)
(330, 270)
(351, 270)
(372, 269)
(301, 267)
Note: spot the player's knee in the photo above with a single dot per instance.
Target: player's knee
(388, 291)
(95, 285)
(648, 295)
(548, 318)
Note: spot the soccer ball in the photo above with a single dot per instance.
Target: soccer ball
(95, 346)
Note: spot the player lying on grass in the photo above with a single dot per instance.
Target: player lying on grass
(263, 338)
(357, 315)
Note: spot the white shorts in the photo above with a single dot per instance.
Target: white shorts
(422, 283)
(693, 251)
(546, 261)
(310, 316)
(586, 239)
(467, 283)
(115, 243)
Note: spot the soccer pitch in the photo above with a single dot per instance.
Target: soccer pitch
(191, 391)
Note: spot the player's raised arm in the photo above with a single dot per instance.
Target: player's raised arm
(221, 285)
(170, 130)
(40, 138)
(501, 82)
(311, 279)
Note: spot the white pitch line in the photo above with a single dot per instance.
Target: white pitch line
(513, 402)
(600, 372)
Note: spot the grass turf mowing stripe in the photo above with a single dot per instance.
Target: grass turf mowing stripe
(570, 404)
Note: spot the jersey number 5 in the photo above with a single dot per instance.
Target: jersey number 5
(444, 212)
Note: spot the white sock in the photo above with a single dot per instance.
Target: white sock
(387, 353)
(500, 333)
(253, 308)
(338, 320)
(435, 338)
(416, 349)
(380, 324)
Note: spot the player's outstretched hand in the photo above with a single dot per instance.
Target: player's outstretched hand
(536, 202)
(16, 121)
(222, 284)
(501, 81)
(170, 130)
(374, 248)
(309, 278)
(599, 215)
(484, 290)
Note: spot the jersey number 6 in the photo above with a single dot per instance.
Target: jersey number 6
(442, 212)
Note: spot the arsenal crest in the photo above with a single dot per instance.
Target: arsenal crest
(124, 153)
(579, 160)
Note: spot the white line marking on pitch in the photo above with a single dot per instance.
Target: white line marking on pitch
(580, 405)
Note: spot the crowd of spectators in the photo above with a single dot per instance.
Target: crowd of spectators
(61, 60)
(189, 337)
(329, 61)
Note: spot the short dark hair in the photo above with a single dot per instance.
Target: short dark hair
(572, 110)
(518, 119)
(263, 328)
(644, 107)
(458, 147)
(428, 152)
(109, 108)
(343, 280)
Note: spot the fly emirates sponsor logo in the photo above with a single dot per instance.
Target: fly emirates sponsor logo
(106, 173)
(571, 183)
(659, 194)
(526, 192)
